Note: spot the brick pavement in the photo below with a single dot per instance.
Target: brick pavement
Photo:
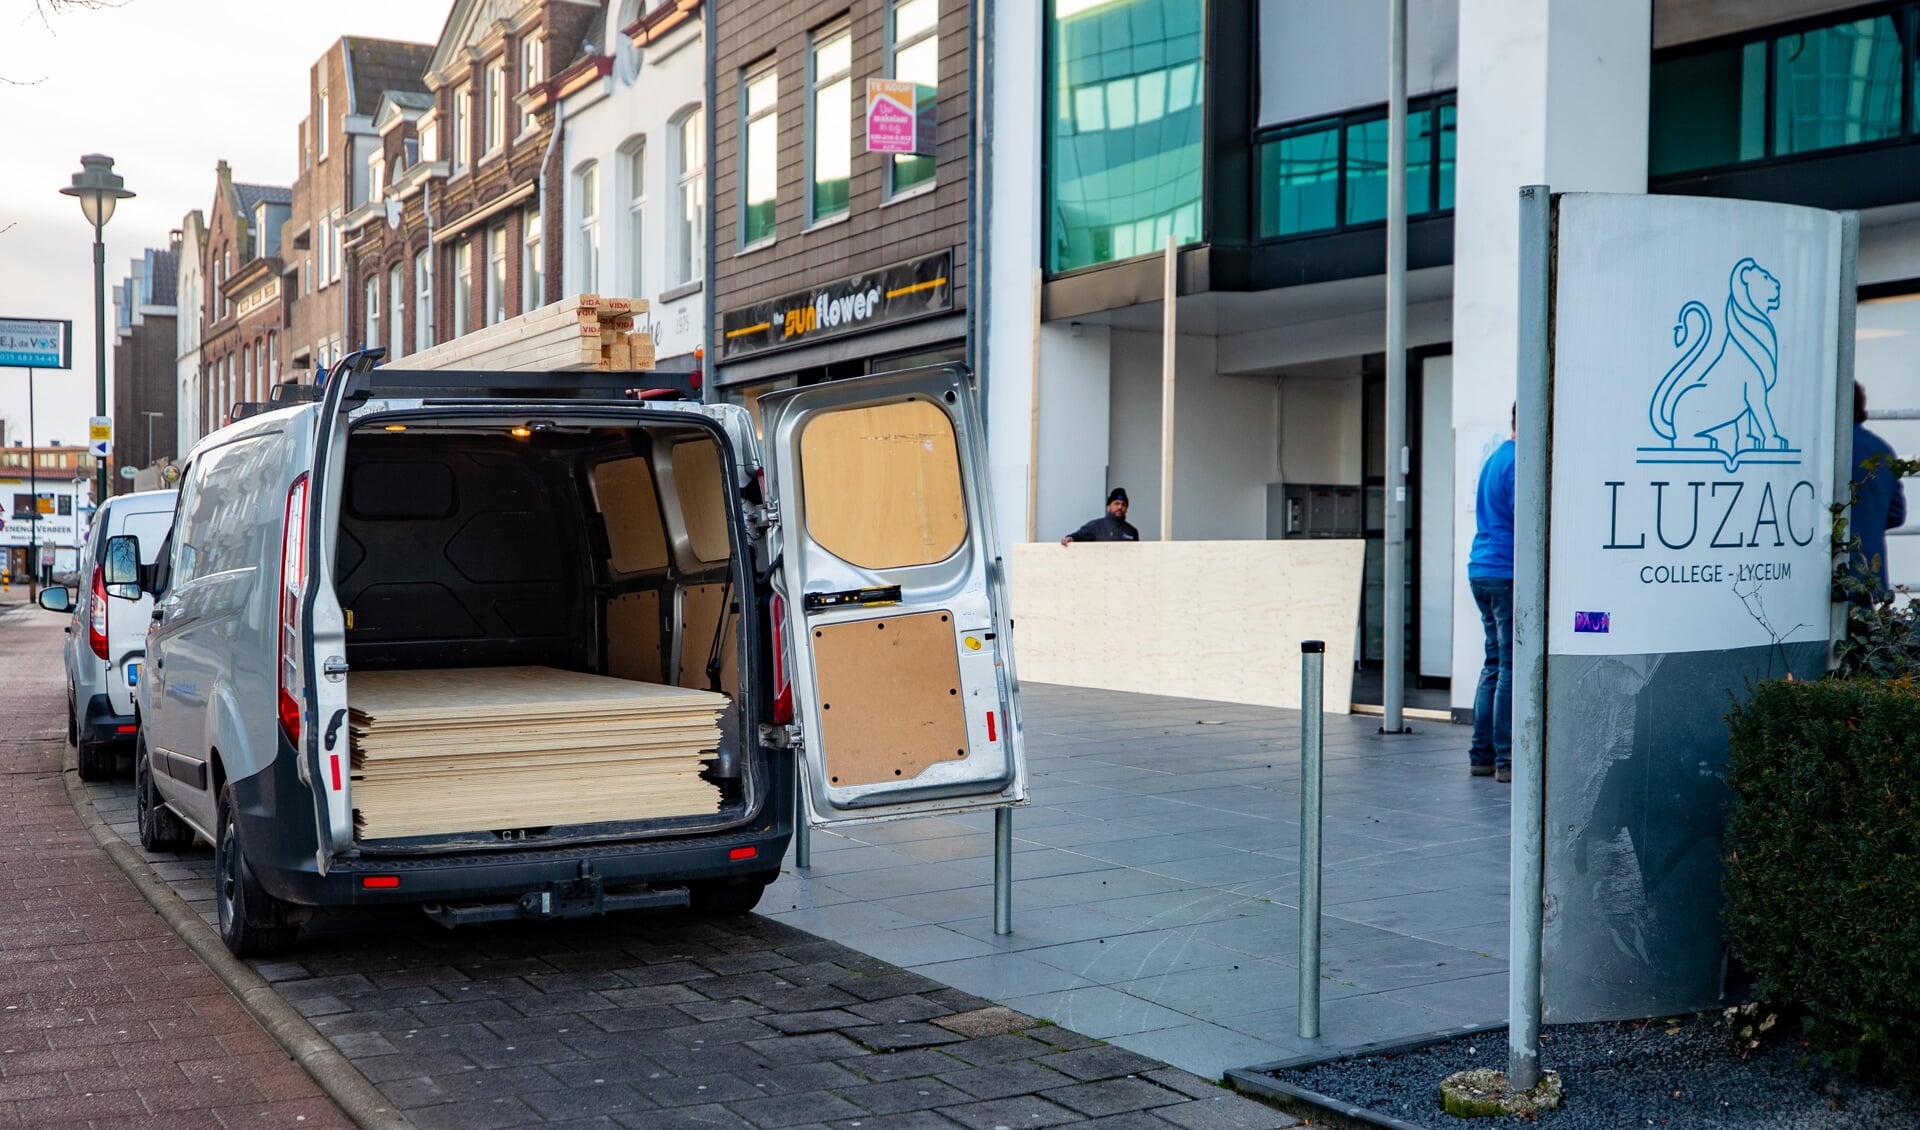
(667, 1020)
(106, 1018)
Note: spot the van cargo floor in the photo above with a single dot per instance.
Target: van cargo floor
(486, 748)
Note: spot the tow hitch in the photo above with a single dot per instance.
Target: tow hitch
(581, 897)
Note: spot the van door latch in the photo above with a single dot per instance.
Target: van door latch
(780, 737)
(335, 667)
(763, 517)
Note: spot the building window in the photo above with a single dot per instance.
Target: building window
(1821, 88)
(587, 180)
(636, 241)
(273, 358)
(333, 248)
(373, 313)
(376, 176)
(496, 105)
(689, 251)
(532, 72)
(496, 274)
(429, 137)
(1330, 173)
(759, 180)
(462, 127)
(320, 130)
(1126, 128)
(396, 307)
(533, 265)
(829, 123)
(325, 248)
(463, 288)
(422, 301)
(913, 55)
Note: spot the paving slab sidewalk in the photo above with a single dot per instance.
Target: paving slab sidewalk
(1156, 882)
(105, 1016)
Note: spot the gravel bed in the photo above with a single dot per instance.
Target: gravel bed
(1679, 1075)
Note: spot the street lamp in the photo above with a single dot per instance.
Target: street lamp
(98, 189)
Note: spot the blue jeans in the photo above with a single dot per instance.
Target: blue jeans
(1493, 699)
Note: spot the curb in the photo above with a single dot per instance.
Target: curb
(1330, 1111)
(336, 1077)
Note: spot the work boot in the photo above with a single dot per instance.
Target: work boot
(1480, 770)
(1504, 774)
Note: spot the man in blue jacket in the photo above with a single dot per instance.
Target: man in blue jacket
(1490, 576)
(1879, 502)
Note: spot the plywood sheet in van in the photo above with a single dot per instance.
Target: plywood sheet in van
(881, 486)
(633, 637)
(700, 610)
(701, 486)
(890, 703)
(636, 539)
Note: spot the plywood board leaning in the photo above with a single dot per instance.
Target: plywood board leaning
(1218, 620)
(700, 610)
(890, 700)
(633, 637)
(881, 485)
(700, 485)
(636, 536)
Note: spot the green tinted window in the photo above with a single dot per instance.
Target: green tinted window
(1367, 167)
(1125, 128)
(1446, 157)
(1838, 85)
(1300, 181)
(1708, 109)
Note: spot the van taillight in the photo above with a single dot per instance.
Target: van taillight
(97, 614)
(293, 564)
(782, 684)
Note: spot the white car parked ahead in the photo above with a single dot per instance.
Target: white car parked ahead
(107, 640)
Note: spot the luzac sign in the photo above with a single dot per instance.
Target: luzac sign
(1696, 443)
(899, 293)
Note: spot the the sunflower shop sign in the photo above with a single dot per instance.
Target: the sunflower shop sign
(899, 293)
(1695, 386)
(36, 343)
(900, 117)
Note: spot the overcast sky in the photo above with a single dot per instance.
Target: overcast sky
(166, 88)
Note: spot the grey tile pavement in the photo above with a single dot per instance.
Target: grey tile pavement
(1156, 882)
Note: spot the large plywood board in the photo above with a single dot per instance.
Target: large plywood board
(881, 485)
(636, 537)
(633, 637)
(890, 702)
(698, 478)
(1218, 620)
(700, 610)
(490, 695)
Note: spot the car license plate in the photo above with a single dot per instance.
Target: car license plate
(133, 674)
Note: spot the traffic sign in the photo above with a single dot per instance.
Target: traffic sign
(100, 435)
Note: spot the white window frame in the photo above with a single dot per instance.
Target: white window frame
(462, 127)
(422, 300)
(496, 310)
(463, 287)
(586, 181)
(687, 239)
(371, 338)
(820, 40)
(334, 252)
(748, 119)
(321, 130)
(894, 46)
(325, 250)
(396, 312)
(533, 56)
(496, 93)
(533, 264)
(634, 164)
(376, 176)
(429, 137)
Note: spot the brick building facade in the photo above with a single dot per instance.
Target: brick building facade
(242, 319)
(143, 363)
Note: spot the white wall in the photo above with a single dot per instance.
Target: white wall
(1225, 440)
(1075, 363)
(1437, 566)
(637, 101)
(1551, 92)
(186, 334)
(1009, 259)
(1323, 56)
(1319, 430)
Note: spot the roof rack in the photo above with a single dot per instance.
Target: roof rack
(365, 381)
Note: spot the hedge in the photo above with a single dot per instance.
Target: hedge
(1823, 863)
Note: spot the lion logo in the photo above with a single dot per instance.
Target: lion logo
(1713, 405)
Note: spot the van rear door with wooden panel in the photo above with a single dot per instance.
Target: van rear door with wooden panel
(903, 680)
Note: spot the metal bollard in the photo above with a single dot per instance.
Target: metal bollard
(1003, 870)
(802, 831)
(1313, 660)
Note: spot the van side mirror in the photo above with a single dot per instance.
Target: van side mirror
(120, 573)
(59, 598)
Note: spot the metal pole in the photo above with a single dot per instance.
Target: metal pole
(1393, 631)
(1531, 484)
(1843, 397)
(1169, 300)
(99, 355)
(1313, 658)
(33, 493)
(1003, 870)
(802, 830)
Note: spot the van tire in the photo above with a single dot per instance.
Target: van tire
(251, 922)
(160, 829)
(97, 762)
(727, 898)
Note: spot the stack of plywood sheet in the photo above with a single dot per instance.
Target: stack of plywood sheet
(486, 748)
(586, 331)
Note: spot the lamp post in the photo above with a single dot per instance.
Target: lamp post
(99, 189)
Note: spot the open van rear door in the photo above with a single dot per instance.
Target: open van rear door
(896, 610)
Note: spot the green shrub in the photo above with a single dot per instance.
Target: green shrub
(1823, 862)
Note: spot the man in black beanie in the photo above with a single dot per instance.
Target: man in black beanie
(1111, 526)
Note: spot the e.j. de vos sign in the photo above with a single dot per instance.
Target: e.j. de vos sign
(1694, 397)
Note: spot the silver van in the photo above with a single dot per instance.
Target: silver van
(107, 639)
(845, 595)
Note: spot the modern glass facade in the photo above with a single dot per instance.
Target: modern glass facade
(1126, 128)
(1331, 173)
(1778, 94)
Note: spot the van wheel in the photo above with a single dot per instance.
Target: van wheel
(97, 762)
(252, 922)
(727, 898)
(160, 829)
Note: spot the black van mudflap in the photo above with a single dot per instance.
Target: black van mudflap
(572, 898)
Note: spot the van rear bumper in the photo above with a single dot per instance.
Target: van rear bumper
(274, 811)
(100, 725)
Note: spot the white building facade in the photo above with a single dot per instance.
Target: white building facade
(635, 196)
(187, 329)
